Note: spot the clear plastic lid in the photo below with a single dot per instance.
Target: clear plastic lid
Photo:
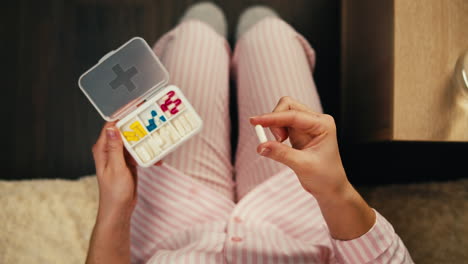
(123, 79)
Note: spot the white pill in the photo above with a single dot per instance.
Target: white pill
(260, 134)
(157, 139)
(154, 146)
(148, 148)
(173, 133)
(165, 137)
(191, 118)
(185, 124)
(179, 127)
(142, 153)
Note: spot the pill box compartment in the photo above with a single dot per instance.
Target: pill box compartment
(152, 117)
(162, 134)
(130, 84)
(133, 131)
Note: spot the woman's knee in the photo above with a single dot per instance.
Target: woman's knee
(270, 29)
(198, 31)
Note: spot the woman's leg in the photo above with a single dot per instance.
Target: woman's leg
(197, 59)
(270, 61)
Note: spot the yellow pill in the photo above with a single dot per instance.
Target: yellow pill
(132, 138)
(134, 125)
(129, 134)
(138, 128)
(142, 131)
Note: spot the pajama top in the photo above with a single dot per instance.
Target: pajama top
(178, 220)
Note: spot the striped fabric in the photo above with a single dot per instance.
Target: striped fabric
(190, 211)
(270, 61)
(179, 220)
(198, 62)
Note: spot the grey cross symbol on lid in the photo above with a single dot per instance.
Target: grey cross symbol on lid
(123, 78)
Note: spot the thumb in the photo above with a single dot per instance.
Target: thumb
(280, 152)
(115, 154)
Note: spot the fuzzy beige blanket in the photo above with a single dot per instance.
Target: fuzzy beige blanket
(50, 221)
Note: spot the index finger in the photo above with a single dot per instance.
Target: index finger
(286, 103)
(308, 122)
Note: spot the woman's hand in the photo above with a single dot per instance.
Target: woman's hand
(116, 178)
(314, 155)
(116, 174)
(315, 158)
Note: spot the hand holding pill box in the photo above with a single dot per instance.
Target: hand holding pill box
(129, 84)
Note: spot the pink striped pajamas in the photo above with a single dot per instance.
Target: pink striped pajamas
(190, 210)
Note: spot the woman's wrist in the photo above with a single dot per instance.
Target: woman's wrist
(339, 191)
(347, 214)
(332, 186)
(340, 197)
(110, 240)
(117, 214)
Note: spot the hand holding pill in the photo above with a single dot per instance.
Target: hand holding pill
(314, 154)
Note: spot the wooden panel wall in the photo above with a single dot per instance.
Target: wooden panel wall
(430, 35)
(398, 60)
(48, 44)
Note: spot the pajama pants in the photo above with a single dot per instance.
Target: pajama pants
(190, 211)
(271, 60)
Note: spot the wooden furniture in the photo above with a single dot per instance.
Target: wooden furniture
(398, 58)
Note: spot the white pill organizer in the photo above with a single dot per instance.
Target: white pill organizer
(129, 84)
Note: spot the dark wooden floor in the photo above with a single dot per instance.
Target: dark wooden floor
(52, 126)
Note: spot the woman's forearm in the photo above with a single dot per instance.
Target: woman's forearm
(346, 213)
(110, 240)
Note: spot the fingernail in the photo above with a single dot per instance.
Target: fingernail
(111, 134)
(265, 151)
(252, 117)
